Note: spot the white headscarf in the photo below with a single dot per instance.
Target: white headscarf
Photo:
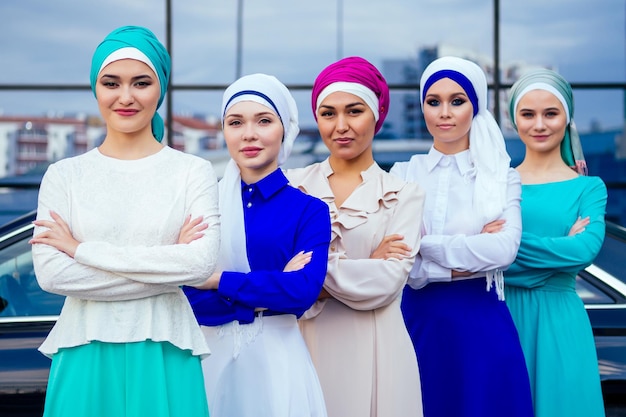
(487, 149)
(268, 91)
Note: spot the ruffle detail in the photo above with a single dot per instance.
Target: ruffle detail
(360, 204)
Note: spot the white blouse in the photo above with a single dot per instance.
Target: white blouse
(451, 237)
(123, 284)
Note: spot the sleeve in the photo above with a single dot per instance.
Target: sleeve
(368, 284)
(103, 271)
(211, 309)
(399, 169)
(484, 251)
(287, 292)
(539, 257)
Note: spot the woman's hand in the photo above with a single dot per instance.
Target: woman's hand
(493, 227)
(212, 283)
(324, 294)
(299, 261)
(579, 226)
(391, 247)
(191, 230)
(58, 235)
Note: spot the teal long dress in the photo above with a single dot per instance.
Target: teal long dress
(551, 320)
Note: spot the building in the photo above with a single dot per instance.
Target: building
(27, 142)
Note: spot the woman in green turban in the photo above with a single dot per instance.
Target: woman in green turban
(563, 230)
(107, 237)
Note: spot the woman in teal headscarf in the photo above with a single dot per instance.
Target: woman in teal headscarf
(563, 230)
(107, 237)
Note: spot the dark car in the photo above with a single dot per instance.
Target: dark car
(27, 314)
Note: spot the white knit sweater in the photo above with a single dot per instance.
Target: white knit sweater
(123, 284)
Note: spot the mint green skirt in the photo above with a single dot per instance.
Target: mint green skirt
(140, 379)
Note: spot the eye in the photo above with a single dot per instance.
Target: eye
(526, 114)
(327, 113)
(458, 102)
(143, 84)
(265, 121)
(234, 122)
(108, 84)
(432, 102)
(355, 111)
(552, 113)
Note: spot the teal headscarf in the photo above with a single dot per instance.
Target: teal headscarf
(554, 83)
(151, 52)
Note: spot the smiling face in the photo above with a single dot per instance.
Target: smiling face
(448, 113)
(128, 93)
(541, 121)
(347, 126)
(253, 135)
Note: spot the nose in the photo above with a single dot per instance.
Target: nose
(342, 124)
(539, 123)
(248, 132)
(126, 95)
(445, 110)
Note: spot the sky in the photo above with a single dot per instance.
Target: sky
(51, 42)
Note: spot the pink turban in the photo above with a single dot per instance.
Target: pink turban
(357, 70)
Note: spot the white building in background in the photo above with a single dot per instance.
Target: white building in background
(29, 142)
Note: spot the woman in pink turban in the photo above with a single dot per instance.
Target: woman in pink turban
(355, 331)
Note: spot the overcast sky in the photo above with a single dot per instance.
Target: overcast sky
(51, 42)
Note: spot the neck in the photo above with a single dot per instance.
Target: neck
(543, 161)
(351, 166)
(129, 147)
(542, 167)
(451, 148)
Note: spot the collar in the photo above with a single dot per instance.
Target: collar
(269, 185)
(462, 160)
(370, 172)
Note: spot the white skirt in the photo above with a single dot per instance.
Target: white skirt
(261, 369)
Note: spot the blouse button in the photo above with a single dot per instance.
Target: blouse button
(249, 205)
(250, 189)
(332, 248)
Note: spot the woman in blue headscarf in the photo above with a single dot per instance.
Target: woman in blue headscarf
(563, 230)
(471, 361)
(106, 237)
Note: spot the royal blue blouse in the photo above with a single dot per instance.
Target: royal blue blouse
(280, 221)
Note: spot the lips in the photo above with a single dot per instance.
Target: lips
(343, 141)
(126, 112)
(251, 151)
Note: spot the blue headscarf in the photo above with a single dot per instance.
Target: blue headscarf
(141, 44)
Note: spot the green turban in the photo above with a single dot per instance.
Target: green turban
(141, 44)
(554, 83)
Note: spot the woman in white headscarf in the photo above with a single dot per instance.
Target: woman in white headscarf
(272, 264)
(471, 362)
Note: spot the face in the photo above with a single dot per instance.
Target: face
(448, 113)
(128, 93)
(347, 126)
(541, 121)
(253, 135)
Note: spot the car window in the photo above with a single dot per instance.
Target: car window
(611, 257)
(590, 294)
(20, 294)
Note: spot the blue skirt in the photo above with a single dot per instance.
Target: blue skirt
(125, 380)
(470, 358)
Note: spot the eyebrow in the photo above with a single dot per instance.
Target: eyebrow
(117, 77)
(263, 113)
(453, 95)
(356, 103)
